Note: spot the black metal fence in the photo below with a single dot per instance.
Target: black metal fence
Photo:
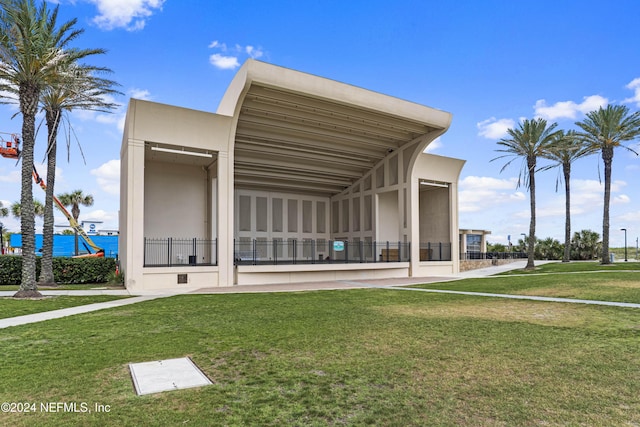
(169, 252)
(467, 256)
(435, 251)
(249, 251)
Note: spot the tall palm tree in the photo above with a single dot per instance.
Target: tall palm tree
(605, 130)
(3, 211)
(79, 88)
(567, 148)
(33, 51)
(530, 140)
(75, 199)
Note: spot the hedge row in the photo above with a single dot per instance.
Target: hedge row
(65, 270)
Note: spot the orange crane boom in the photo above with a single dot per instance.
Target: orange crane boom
(99, 252)
(10, 149)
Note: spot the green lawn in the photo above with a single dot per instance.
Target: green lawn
(356, 357)
(576, 266)
(590, 281)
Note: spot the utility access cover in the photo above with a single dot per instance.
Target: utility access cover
(166, 375)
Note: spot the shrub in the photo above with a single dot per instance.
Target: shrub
(65, 270)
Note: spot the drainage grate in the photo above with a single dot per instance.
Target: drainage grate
(182, 278)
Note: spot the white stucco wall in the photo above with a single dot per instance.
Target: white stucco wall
(175, 201)
(435, 215)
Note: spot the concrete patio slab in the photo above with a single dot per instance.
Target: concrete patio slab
(166, 375)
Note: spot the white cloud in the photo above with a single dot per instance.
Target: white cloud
(108, 176)
(483, 182)
(253, 52)
(495, 128)
(131, 15)
(117, 117)
(568, 109)
(231, 58)
(634, 85)
(629, 217)
(481, 193)
(217, 44)
(12, 177)
(622, 198)
(224, 62)
(433, 145)
(140, 94)
(592, 185)
(100, 215)
(586, 198)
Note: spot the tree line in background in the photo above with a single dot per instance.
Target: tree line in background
(602, 131)
(41, 71)
(583, 246)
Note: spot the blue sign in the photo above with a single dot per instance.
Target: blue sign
(338, 246)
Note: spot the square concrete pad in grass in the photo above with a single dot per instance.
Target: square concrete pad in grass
(166, 375)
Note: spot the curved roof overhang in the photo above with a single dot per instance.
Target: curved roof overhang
(297, 132)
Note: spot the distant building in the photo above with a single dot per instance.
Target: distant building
(473, 243)
(294, 178)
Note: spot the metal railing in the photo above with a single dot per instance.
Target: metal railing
(317, 251)
(435, 251)
(170, 252)
(471, 256)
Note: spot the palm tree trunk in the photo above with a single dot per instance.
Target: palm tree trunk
(28, 107)
(566, 168)
(607, 157)
(531, 164)
(46, 273)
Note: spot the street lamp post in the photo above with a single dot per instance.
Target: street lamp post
(2, 240)
(625, 243)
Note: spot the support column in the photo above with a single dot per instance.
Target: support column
(454, 226)
(225, 219)
(132, 204)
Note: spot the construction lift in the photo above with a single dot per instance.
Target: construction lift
(10, 148)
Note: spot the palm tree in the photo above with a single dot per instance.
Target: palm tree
(530, 140)
(549, 248)
(565, 150)
(604, 130)
(585, 245)
(32, 54)
(79, 88)
(38, 209)
(75, 199)
(3, 211)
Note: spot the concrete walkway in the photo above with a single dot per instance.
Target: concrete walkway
(64, 312)
(398, 284)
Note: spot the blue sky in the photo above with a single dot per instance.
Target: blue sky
(489, 63)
